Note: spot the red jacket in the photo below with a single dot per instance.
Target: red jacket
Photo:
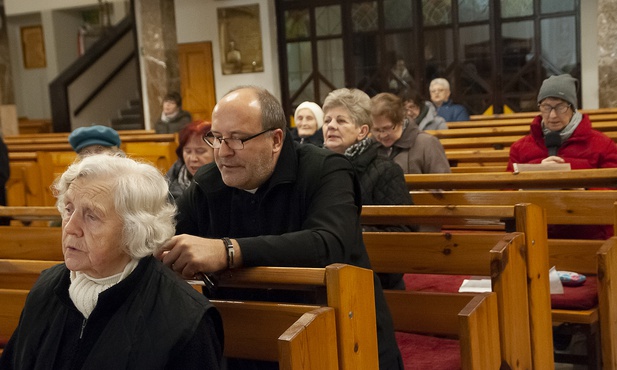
(586, 148)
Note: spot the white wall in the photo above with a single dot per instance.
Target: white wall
(15, 7)
(31, 85)
(60, 20)
(196, 20)
(590, 88)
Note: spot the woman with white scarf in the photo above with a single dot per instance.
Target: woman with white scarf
(111, 304)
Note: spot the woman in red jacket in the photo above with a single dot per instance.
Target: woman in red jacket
(577, 143)
(561, 134)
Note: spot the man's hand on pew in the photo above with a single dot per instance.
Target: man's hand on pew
(190, 255)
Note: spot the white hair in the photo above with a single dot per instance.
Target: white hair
(440, 81)
(141, 199)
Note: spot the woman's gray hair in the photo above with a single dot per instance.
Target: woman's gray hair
(141, 199)
(357, 103)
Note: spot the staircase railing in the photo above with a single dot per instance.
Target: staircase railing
(96, 85)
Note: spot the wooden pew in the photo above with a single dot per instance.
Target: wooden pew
(528, 218)
(488, 254)
(65, 135)
(597, 112)
(34, 243)
(161, 154)
(349, 290)
(565, 207)
(607, 262)
(29, 214)
(296, 336)
(26, 125)
(509, 128)
(24, 184)
(59, 142)
(306, 335)
(472, 318)
(32, 173)
(592, 178)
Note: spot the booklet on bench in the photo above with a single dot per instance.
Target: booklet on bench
(525, 167)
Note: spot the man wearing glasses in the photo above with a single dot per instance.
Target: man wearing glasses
(268, 201)
(561, 134)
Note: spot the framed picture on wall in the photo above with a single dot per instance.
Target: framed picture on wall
(33, 47)
(240, 39)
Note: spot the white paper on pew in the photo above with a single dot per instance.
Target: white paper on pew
(555, 282)
(526, 167)
(479, 285)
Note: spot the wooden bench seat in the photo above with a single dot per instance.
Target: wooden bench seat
(472, 318)
(488, 254)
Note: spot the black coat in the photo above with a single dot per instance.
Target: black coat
(5, 173)
(315, 139)
(305, 215)
(150, 320)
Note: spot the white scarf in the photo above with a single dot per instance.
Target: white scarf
(84, 290)
(168, 118)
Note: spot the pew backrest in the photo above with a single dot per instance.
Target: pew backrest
(527, 218)
(296, 336)
(489, 254)
(592, 178)
(349, 291)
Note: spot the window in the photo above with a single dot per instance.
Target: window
(494, 53)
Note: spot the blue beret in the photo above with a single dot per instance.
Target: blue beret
(85, 136)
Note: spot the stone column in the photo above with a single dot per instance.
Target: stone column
(7, 95)
(159, 52)
(607, 52)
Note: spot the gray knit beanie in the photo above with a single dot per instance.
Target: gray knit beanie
(561, 87)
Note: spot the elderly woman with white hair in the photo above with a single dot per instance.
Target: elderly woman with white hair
(111, 304)
(309, 120)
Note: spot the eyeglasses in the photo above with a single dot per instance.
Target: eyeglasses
(235, 144)
(385, 130)
(560, 108)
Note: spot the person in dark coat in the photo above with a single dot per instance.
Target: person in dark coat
(446, 108)
(173, 118)
(267, 201)
(111, 305)
(347, 124)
